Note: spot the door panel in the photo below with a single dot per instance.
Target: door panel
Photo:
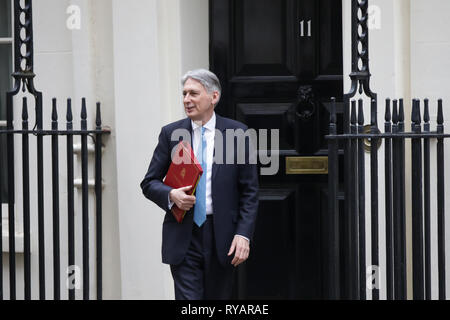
(274, 253)
(280, 62)
(269, 116)
(256, 58)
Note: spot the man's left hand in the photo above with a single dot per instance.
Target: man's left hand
(241, 246)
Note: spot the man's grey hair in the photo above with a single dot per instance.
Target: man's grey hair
(208, 79)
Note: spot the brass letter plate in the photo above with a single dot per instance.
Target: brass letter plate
(306, 165)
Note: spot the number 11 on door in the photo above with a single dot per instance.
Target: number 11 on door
(302, 29)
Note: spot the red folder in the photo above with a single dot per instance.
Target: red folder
(184, 170)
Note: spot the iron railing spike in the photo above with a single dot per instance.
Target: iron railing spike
(373, 113)
(333, 111)
(426, 111)
(387, 114)
(440, 114)
(69, 116)
(83, 109)
(395, 111)
(54, 111)
(98, 117)
(401, 111)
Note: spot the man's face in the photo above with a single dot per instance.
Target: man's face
(198, 103)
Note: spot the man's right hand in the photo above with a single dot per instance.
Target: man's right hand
(182, 200)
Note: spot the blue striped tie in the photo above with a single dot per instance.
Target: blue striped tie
(200, 203)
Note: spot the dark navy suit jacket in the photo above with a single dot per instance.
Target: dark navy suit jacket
(234, 194)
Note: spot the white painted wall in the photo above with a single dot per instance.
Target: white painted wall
(430, 78)
(153, 47)
(139, 115)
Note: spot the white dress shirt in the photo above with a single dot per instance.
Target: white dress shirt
(210, 130)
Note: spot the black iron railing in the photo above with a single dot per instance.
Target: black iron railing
(55, 135)
(353, 257)
(346, 224)
(23, 79)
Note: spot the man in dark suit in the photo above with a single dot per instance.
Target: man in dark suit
(214, 236)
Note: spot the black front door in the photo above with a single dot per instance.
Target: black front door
(280, 62)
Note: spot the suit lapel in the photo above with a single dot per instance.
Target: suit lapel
(221, 127)
(186, 125)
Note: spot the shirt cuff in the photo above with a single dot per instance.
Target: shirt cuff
(243, 237)
(170, 205)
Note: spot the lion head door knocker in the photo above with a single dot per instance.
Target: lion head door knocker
(305, 103)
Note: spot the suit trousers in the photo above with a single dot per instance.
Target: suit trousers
(200, 276)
